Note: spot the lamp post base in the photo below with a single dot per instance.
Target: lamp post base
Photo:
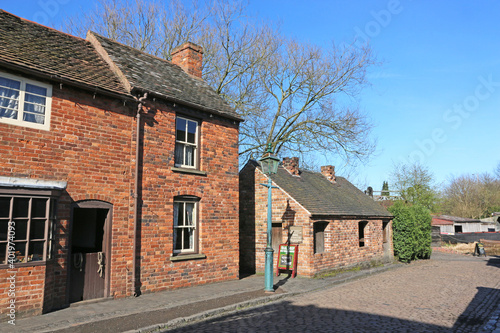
(268, 274)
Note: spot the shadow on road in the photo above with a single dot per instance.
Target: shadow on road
(286, 317)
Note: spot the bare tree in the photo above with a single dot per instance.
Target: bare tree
(416, 184)
(296, 96)
(472, 196)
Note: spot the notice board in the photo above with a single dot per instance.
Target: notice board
(287, 259)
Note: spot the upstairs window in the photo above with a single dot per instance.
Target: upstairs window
(24, 102)
(186, 143)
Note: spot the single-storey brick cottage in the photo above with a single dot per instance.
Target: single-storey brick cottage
(118, 170)
(334, 224)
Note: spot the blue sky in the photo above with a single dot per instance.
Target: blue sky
(434, 99)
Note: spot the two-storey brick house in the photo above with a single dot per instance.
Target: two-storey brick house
(118, 170)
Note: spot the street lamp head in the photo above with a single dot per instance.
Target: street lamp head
(269, 162)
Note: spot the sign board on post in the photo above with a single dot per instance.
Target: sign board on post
(287, 259)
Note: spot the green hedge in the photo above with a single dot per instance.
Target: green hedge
(411, 231)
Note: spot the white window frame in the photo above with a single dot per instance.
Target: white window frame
(177, 228)
(20, 112)
(185, 144)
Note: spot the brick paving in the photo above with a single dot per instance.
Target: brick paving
(447, 294)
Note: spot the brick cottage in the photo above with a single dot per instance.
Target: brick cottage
(118, 170)
(334, 224)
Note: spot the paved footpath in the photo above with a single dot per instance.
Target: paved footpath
(448, 294)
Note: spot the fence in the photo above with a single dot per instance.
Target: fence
(470, 237)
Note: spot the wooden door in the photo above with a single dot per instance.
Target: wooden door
(277, 234)
(90, 248)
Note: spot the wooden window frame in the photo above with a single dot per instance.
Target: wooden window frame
(185, 143)
(49, 219)
(20, 107)
(186, 200)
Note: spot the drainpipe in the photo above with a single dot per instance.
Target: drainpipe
(136, 191)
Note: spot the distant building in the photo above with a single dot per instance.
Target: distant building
(453, 224)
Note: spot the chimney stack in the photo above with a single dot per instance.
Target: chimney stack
(292, 165)
(329, 172)
(189, 57)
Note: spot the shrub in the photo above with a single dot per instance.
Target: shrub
(411, 231)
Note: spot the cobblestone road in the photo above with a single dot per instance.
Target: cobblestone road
(437, 295)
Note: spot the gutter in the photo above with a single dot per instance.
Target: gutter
(191, 105)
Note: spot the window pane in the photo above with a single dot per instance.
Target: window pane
(37, 229)
(190, 150)
(8, 83)
(181, 130)
(191, 132)
(21, 207)
(33, 118)
(180, 217)
(8, 99)
(9, 95)
(34, 108)
(20, 252)
(36, 89)
(3, 252)
(188, 239)
(189, 213)
(7, 113)
(179, 153)
(35, 252)
(38, 208)
(176, 214)
(4, 229)
(34, 99)
(4, 207)
(178, 239)
(21, 229)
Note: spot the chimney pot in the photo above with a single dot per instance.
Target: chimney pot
(189, 57)
(292, 165)
(329, 172)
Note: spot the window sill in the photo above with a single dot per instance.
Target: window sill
(191, 171)
(24, 264)
(182, 257)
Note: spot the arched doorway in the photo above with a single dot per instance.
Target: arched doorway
(90, 250)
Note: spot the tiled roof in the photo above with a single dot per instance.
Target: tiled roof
(28, 45)
(323, 198)
(158, 76)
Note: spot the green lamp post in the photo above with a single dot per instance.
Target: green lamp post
(269, 164)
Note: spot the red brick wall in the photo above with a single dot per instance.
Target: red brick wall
(91, 145)
(341, 235)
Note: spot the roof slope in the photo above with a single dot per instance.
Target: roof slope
(158, 76)
(455, 219)
(28, 45)
(321, 197)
